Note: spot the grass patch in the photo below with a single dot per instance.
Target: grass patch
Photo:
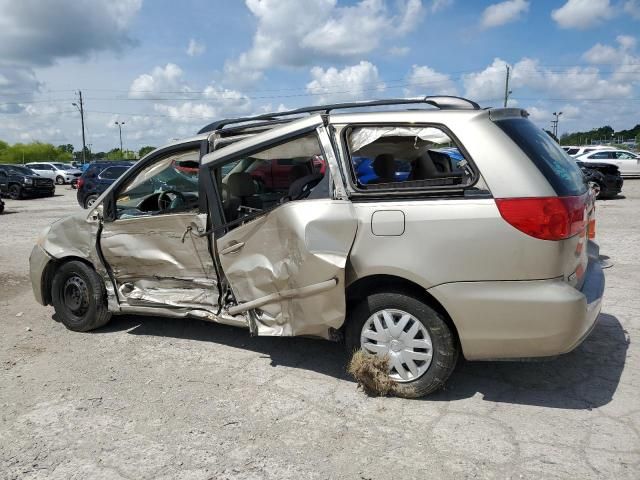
(372, 374)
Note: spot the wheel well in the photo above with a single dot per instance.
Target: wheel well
(50, 271)
(362, 287)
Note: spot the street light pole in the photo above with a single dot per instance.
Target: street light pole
(120, 129)
(557, 115)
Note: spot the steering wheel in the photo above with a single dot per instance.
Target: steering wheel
(170, 199)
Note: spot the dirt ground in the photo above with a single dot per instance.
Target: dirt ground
(157, 398)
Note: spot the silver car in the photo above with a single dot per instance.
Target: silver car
(416, 234)
(59, 172)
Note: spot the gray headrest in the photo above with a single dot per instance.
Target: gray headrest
(241, 184)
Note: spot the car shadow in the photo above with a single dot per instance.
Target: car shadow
(583, 379)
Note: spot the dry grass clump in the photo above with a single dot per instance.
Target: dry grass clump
(372, 373)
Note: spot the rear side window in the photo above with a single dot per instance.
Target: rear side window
(573, 151)
(405, 157)
(562, 173)
(112, 173)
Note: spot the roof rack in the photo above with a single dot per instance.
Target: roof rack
(444, 102)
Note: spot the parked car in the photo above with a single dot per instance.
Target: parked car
(60, 173)
(19, 182)
(606, 176)
(577, 151)
(417, 270)
(627, 162)
(97, 178)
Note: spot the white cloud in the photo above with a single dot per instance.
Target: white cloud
(399, 51)
(195, 48)
(161, 80)
(601, 54)
(424, 80)
(627, 42)
(582, 14)
(503, 12)
(632, 7)
(351, 83)
(321, 30)
(578, 83)
(439, 5)
(33, 33)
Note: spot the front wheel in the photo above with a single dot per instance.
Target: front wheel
(79, 297)
(15, 192)
(421, 348)
(91, 199)
(60, 180)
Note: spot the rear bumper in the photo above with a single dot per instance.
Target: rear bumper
(523, 319)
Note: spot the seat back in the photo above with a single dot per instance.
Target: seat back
(384, 166)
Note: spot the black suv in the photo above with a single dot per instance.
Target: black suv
(18, 182)
(605, 175)
(97, 178)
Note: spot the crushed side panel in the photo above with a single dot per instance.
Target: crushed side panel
(297, 245)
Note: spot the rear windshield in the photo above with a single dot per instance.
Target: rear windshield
(559, 169)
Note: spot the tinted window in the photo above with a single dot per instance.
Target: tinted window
(600, 155)
(112, 173)
(21, 170)
(573, 151)
(558, 168)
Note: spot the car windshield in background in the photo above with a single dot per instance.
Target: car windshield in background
(62, 166)
(112, 173)
(553, 162)
(22, 170)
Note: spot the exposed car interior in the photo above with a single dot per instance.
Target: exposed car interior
(406, 157)
(263, 180)
(163, 187)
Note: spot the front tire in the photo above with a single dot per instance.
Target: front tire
(60, 180)
(15, 192)
(421, 347)
(79, 297)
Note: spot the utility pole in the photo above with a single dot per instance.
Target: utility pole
(507, 92)
(80, 107)
(120, 129)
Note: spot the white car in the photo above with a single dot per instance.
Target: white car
(576, 151)
(59, 172)
(627, 162)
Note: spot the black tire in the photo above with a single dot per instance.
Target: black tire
(1, 207)
(89, 200)
(79, 297)
(445, 345)
(15, 192)
(60, 180)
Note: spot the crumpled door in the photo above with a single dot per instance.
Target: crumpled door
(161, 260)
(286, 268)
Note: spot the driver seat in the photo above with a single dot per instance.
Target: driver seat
(242, 192)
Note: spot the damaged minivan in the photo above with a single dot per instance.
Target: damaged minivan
(414, 234)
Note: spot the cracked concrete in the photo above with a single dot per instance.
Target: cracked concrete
(161, 398)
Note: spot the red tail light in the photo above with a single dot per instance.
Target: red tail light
(80, 182)
(547, 218)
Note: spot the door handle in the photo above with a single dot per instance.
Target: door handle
(234, 247)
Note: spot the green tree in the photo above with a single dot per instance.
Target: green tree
(66, 148)
(114, 154)
(144, 150)
(3, 145)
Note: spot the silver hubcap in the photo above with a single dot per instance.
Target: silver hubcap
(403, 339)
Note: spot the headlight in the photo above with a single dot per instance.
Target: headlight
(27, 181)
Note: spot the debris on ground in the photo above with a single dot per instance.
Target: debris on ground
(19, 314)
(372, 373)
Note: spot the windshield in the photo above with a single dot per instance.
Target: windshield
(61, 166)
(21, 170)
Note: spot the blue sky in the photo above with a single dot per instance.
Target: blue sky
(166, 68)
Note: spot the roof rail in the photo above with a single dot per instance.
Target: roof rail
(444, 102)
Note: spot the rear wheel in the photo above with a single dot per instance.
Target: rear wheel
(90, 200)
(60, 180)
(79, 297)
(15, 192)
(420, 346)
